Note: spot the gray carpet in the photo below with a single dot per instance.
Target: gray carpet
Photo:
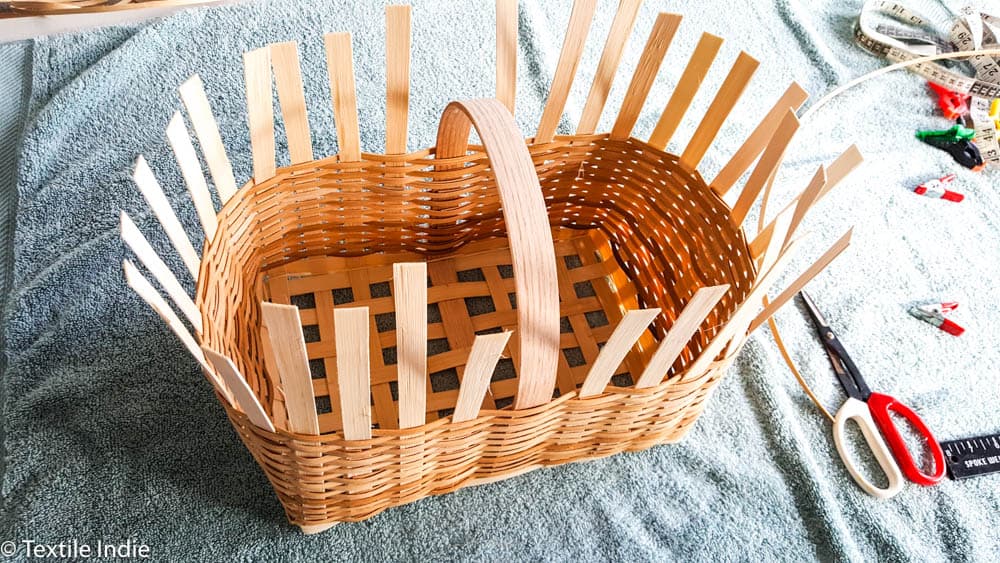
(111, 432)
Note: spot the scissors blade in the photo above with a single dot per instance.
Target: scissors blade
(847, 372)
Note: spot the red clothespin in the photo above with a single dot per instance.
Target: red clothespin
(936, 188)
(934, 314)
(953, 105)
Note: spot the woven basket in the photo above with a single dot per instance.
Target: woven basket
(381, 328)
(27, 8)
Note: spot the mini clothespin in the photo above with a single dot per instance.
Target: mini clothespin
(956, 141)
(936, 188)
(953, 105)
(995, 113)
(935, 314)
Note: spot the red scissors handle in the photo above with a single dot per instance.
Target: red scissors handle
(880, 405)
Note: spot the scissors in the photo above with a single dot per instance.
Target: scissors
(871, 412)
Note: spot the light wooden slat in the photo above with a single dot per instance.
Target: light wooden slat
(194, 178)
(837, 171)
(157, 201)
(479, 368)
(148, 293)
(144, 251)
(806, 199)
(260, 112)
(687, 86)
(686, 325)
(245, 398)
(292, 100)
(768, 163)
(607, 68)
(569, 60)
(288, 346)
(340, 65)
(200, 112)
(507, 52)
(632, 325)
(743, 315)
(751, 148)
(800, 282)
(353, 371)
(410, 295)
(773, 250)
(659, 40)
(718, 112)
(271, 366)
(397, 77)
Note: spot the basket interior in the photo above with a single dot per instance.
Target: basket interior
(633, 228)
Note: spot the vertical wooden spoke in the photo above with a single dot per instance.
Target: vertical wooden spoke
(680, 334)
(507, 52)
(187, 160)
(479, 368)
(569, 60)
(687, 86)
(743, 315)
(729, 93)
(410, 295)
(645, 73)
(353, 371)
(260, 111)
(607, 68)
(844, 164)
(157, 201)
(288, 345)
(200, 112)
(397, 78)
(145, 290)
(245, 398)
(631, 327)
(340, 65)
(766, 166)
(793, 98)
(773, 250)
(292, 99)
(800, 282)
(806, 199)
(149, 258)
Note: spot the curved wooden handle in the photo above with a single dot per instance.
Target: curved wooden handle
(531, 247)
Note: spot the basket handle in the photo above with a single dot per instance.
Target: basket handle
(531, 247)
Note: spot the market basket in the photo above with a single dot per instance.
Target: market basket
(385, 327)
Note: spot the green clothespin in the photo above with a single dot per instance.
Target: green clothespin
(957, 133)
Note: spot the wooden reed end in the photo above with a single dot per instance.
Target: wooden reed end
(292, 100)
(194, 178)
(631, 327)
(246, 400)
(284, 329)
(133, 237)
(200, 112)
(340, 66)
(677, 338)
(260, 112)
(397, 78)
(569, 60)
(353, 371)
(479, 368)
(157, 201)
(507, 52)
(687, 86)
(659, 40)
(607, 67)
(725, 99)
(768, 163)
(410, 295)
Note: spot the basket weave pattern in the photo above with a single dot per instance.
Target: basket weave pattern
(584, 293)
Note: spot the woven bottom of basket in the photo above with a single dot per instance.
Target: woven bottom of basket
(324, 479)
(471, 292)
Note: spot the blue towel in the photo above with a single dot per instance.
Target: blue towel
(112, 434)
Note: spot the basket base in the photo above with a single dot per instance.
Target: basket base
(311, 529)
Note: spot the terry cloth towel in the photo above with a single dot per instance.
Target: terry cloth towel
(112, 434)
